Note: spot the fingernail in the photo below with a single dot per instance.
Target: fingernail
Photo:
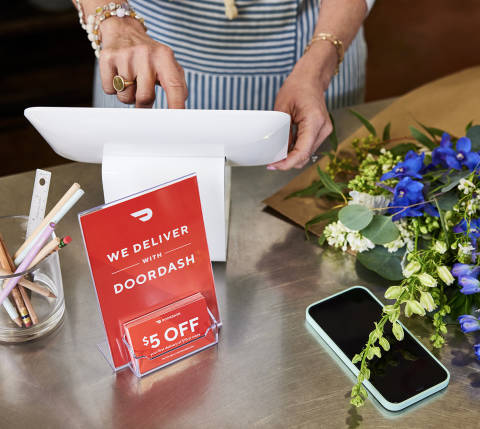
(271, 167)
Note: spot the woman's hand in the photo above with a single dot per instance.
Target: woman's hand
(129, 52)
(302, 96)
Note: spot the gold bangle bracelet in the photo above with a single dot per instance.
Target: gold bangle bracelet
(334, 41)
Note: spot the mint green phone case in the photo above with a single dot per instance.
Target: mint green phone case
(372, 390)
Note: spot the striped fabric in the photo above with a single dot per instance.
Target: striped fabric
(241, 64)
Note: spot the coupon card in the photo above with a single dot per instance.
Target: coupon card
(170, 333)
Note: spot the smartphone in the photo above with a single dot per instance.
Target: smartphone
(404, 375)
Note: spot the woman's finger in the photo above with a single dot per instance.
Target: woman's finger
(171, 78)
(125, 69)
(107, 71)
(145, 94)
(307, 136)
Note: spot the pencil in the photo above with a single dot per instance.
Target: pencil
(35, 287)
(47, 219)
(52, 246)
(23, 292)
(17, 297)
(42, 238)
(11, 310)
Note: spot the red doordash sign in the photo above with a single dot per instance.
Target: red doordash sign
(145, 252)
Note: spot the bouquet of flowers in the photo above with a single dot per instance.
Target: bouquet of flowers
(409, 208)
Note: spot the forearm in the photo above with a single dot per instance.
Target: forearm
(342, 19)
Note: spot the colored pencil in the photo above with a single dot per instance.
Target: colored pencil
(16, 295)
(23, 292)
(34, 287)
(11, 283)
(52, 246)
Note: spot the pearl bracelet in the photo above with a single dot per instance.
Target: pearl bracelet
(92, 24)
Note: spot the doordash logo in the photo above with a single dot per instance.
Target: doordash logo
(144, 215)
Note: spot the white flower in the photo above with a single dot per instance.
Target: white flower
(358, 243)
(465, 250)
(335, 233)
(369, 201)
(339, 236)
(406, 238)
(466, 186)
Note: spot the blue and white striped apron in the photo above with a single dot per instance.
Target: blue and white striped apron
(241, 64)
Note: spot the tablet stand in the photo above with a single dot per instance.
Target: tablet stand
(127, 169)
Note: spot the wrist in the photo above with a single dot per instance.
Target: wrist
(319, 63)
(111, 29)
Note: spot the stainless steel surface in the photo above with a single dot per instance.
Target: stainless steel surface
(269, 369)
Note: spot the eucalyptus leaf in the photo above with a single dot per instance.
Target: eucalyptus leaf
(447, 200)
(469, 125)
(381, 261)
(381, 230)
(386, 132)
(355, 216)
(422, 138)
(474, 135)
(366, 123)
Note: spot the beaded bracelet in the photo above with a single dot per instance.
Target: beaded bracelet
(333, 40)
(92, 24)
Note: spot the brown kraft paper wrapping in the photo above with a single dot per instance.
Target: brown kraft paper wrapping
(448, 103)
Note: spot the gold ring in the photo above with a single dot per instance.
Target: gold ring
(120, 84)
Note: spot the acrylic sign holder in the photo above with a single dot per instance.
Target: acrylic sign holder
(154, 280)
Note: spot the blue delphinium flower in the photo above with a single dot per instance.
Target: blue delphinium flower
(462, 270)
(467, 276)
(469, 323)
(473, 231)
(476, 348)
(470, 285)
(462, 156)
(410, 167)
(439, 154)
(408, 192)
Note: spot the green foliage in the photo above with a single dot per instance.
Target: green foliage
(447, 200)
(434, 132)
(473, 134)
(386, 132)
(355, 216)
(381, 261)
(331, 216)
(309, 191)
(381, 230)
(403, 148)
(366, 123)
(452, 180)
(422, 138)
(333, 135)
(329, 183)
